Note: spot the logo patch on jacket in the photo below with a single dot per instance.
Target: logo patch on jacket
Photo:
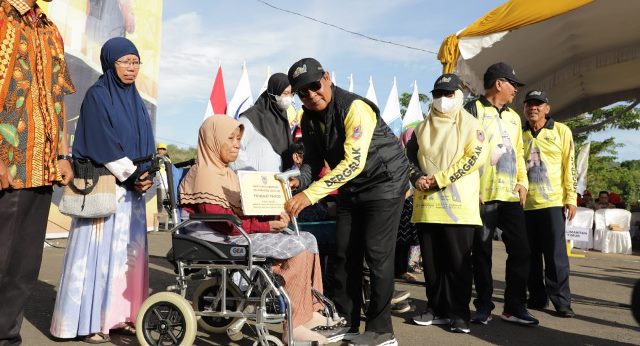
(357, 133)
(480, 135)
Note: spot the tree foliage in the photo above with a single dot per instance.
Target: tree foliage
(605, 173)
(178, 154)
(425, 100)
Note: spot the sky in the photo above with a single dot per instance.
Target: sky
(197, 35)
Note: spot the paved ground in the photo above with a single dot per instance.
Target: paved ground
(601, 286)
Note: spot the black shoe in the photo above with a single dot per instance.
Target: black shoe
(458, 325)
(400, 307)
(428, 318)
(399, 296)
(523, 317)
(565, 311)
(481, 317)
(333, 334)
(370, 338)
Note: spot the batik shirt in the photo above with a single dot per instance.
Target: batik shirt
(33, 81)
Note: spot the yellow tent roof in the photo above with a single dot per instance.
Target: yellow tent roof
(584, 54)
(509, 16)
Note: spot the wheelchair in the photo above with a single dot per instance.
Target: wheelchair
(233, 286)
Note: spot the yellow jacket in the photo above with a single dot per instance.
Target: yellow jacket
(504, 167)
(550, 166)
(450, 147)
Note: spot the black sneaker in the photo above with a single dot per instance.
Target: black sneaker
(565, 311)
(399, 296)
(400, 307)
(458, 325)
(333, 334)
(521, 318)
(370, 338)
(428, 318)
(481, 317)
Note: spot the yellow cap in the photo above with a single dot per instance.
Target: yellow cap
(161, 146)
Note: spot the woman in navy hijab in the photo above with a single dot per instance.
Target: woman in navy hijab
(105, 275)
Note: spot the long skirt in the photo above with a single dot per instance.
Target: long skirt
(105, 274)
(301, 273)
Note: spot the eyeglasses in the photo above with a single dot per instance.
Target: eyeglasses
(134, 64)
(304, 91)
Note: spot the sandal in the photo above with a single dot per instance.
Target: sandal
(126, 328)
(408, 277)
(415, 268)
(97, 338)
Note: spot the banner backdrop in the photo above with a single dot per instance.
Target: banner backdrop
(85, 25)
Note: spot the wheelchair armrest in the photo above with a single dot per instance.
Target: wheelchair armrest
(216, 217)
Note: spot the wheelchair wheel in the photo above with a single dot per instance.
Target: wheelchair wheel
(204, 298)
(271, 340)
(166, 319)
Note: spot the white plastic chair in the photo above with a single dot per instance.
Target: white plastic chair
(583, 219)
(617, 241)
(598, 229)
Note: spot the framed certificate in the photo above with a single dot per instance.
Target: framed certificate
(261, 192)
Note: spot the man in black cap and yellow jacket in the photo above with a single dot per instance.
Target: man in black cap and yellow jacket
(503, 192)
(370, 171)
(548, 150)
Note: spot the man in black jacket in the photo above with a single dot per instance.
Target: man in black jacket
(370, 170)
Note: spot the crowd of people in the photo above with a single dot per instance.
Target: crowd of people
(464, 171)
(605, 200)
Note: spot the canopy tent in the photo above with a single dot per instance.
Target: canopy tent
(584, 53)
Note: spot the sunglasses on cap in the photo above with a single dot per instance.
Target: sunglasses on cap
(305, 89)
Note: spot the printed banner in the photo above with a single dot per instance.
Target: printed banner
(85, 25)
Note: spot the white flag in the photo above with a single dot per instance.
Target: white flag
(351, 83)
(371, 92)
(391, 114)
(582, 165)
(242, 98)
(413, 114)
(266, 82)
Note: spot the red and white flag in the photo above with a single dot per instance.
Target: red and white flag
(218, 100)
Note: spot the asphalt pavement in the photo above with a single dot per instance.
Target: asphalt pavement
(601, 287)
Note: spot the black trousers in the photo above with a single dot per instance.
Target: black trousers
(547, 240)
(365, 229)
(509, 217)
(23, 223)
(446, 257)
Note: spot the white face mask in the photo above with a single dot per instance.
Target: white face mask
(449, 104)
(284, 101)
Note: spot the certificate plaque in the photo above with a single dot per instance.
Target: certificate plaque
(261, 192)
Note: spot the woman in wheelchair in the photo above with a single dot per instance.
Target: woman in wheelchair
(211, 186)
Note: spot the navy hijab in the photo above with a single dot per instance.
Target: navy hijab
(114, 121)
(271, 121)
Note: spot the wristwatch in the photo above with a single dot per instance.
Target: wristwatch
(64, 157)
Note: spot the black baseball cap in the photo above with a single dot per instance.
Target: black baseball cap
(537, 95)
(500, 70)
(447, 82)
(303, 72)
